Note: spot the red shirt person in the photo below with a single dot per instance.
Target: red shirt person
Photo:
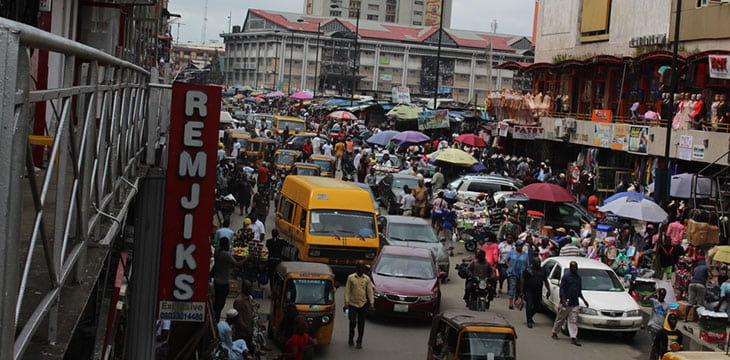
(307, 149)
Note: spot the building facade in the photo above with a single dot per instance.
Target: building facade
(403, 12)
(198, 53)
(275, 50)
(704, 24)
(579, 29)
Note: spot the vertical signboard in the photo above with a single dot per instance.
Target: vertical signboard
(639, 139)
(401, 95)
(189, 201)
(719, 68)
(433, 13)
(685, 147)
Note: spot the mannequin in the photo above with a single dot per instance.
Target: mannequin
(713, 109)
(566, 103)
(698, 112)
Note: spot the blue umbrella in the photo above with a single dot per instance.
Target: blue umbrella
(237, 86)
(410, 137)
(382, 138)
(249, 99)
(625, 194)
(478, 167)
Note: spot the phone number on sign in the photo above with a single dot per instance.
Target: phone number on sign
(182, 316)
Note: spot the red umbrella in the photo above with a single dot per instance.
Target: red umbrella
(342, 115)
(547, 192)
(471, 140)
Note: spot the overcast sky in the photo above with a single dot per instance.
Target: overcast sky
(513, 16)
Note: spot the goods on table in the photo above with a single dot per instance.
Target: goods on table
(243, 252)
(471, 219)
(643, 287)
(713, 325)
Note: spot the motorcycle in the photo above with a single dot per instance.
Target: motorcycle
(480, 294)
(477, 237)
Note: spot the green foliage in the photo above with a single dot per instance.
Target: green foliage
(562, 57)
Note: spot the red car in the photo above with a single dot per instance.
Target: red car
(406, 282)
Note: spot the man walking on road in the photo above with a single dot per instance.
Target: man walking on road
(570, 292)
(358, 300)
(533, 279)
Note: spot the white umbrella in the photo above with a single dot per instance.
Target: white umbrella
(636, 208)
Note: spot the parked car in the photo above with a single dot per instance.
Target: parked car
(367, 188)
(406, 282)
(390, 190)
(611, 308)
(295, 142)
(472, 185)
(571, 216)
(413, 232)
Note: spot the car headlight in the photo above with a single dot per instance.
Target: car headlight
(378, 294)
(326, 319)
(314, 253)
(425, 298)
(588, 311)
(370, 255)
(633, 313)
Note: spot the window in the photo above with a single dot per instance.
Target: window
(303, 219)
(418, 2)
(352, 14)
(595, 18)
(390, 7)
(373, 6)
(557, 273)
(373, 17)
(417, 12)
(701, 3)
(335, 13)
(417, 23)
(390, 18)
(286, 208)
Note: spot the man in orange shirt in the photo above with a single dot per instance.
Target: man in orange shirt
(339, 152)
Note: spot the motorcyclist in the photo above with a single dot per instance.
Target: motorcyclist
(480, 268)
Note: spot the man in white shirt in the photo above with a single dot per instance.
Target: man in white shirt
(407, 202)
(356, 160)
(258, 230)
(257, 243)
(327, 148)
(236, 148)
(221, 154)
(316, 143)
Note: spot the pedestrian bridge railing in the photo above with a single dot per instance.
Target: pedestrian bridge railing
(97, 132)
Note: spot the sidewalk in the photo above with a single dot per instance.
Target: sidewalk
(691, 332)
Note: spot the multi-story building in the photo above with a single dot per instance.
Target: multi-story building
(285, 50)
(403, 12)
(578, 29)
(199, 53)
(704, 24)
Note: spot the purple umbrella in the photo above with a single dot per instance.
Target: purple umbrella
(301, 96)
(382, 138)
(275, 94)
(478, 167)
(410, 137)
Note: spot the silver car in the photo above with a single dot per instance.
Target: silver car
(414, 232)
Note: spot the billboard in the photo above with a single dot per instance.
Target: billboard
(189, 201)
(719, 66)
(401, 95)
(432, 15)
(433, 119)
(639, 139)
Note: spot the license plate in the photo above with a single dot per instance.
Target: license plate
(400, 308)
(613, 322)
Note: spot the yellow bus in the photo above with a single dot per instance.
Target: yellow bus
(326, 220)
(295, 125)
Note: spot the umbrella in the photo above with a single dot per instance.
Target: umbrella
(382, 138)
(547, 192)
(681, 186)
(228, 93)
(342, 115)
(405, 112)
(636, 208)
(301, 96)
(275, 94)
(478, 167)
(247, 88)
(471, 140)
(238, 96)
(259, 96)
(624, 194)
(335, 102)
(249, 99)
(410, 137)
(454, 157)
(237, 86)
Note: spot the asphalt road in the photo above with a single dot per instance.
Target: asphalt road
(399, 339)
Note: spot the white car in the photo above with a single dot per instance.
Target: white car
(611, 307)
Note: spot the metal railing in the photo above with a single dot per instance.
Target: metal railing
(719, 127)
(97, 124)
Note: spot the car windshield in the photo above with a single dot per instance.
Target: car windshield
(293, 125)
(599, 280)
(305, 171)
(398, 183)
(454, 184)
(393, 159)
(486, 346)
(255, 146)
(409, 267)
(342, 223)
(285, 159)
(411, 232)
(309, 291)
(324, 165)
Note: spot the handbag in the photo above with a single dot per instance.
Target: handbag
(519, 302)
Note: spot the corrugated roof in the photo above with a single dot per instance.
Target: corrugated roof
(389, 31)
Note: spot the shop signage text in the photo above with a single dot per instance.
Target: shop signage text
(648, 40)
(528, 132)
(719, 66)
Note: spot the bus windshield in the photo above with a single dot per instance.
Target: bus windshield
(342, 223)
(310, 291)
(486, 345)
(324, 165)
(293, 125)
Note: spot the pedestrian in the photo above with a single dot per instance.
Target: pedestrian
(340, 149)
(307, 149)
(504, 247)
(698, 285)
(299, 343)
(223, 231)
(223, 261)
(237, 350)
(244, 325)
(571, 249)
(420, 192)
(491, 250)
(275, 245)
(667, 256)
(438, 203)
(358, 300)
(437, 180)
(407, 202)
(533, 279)
(659, 310)
(243, 194)
(667, 339)
(517, 261)
(509, 226)
(570, 292)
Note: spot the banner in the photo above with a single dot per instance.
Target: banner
(602, 135)
(401, 95)
(386, 77)
(528, 132)
(698, 152)
(639, 139)
(620, 138)
(432, 15)
(384, 61)
(719, 67)
(604, 116)
(433, 119)
(685, 147)
(503, 128)
(189, 202)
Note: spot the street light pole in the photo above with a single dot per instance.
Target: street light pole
(438, 57)
(291, 59)
(276, 63)
(316, 63)
(355, 60)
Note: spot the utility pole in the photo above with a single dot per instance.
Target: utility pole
(438, 57)
(316, 63)
(291, 61)
(205, 22)
(230, 14)
(490, 56)
(355, 59)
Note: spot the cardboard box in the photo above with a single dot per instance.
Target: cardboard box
(682, 310)
(700, 234)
